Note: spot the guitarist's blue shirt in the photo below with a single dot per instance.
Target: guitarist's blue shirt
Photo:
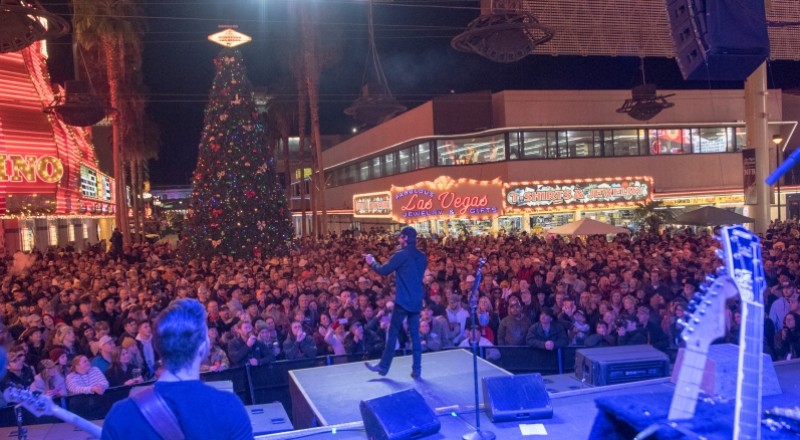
(203, 412)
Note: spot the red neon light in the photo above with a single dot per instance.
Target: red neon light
(25, 130)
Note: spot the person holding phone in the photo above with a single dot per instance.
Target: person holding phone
(409, 265)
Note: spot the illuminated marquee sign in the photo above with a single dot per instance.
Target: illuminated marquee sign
(373, 205)
(19, 168)
(447, 198)
(578, 194)
(95, 185)
(703, 200)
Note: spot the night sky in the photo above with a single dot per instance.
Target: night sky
(413, 39)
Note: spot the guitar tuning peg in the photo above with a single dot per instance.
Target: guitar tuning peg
(691, 307)
(710, 279)
(703, 288)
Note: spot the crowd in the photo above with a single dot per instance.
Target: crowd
(81, 322)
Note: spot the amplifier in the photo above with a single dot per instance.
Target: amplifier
(627, 363)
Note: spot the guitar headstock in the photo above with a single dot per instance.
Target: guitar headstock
(705, 318)
(741, 251)
(40, 405)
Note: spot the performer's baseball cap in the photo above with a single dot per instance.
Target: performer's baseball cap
(410, 233)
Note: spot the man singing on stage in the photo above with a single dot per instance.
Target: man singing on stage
(180, 405)
(409, 263)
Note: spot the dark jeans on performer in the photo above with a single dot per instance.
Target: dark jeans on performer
(398, 315)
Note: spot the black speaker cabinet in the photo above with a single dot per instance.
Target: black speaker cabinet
(399, 416)
(718, 40)
(521, 397)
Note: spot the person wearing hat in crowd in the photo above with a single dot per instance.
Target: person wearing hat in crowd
(104, 356)
(266, 348)
(409, 265)
(59, 357)
(86, 335)
(49, 380)
(547, 334)
(181, 337)
(19, 374)
(514, 327)
(36, 351)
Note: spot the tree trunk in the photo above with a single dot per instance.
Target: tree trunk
(301, 130)
(139, 201)
(110, 52)
(312, 75)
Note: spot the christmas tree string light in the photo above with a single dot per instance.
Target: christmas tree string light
(238, 207)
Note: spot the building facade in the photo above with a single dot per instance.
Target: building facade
(535, 159)
(52, 192)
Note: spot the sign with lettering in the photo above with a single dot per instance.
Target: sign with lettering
(373, 205)
(26, 168)
(558, 195)
(703, 200)
(446, 197)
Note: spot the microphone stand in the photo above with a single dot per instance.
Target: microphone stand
(473, 307)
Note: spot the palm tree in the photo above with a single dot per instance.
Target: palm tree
(319, 52)
(651, 216)
(108, 27)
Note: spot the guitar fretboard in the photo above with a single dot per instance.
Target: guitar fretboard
(747, 419)
(687, 389)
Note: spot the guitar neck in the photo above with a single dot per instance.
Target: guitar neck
(687, 389)
(747, 418)
(77, 421)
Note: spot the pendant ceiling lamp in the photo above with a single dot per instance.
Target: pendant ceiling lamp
(503, 33)
(24, 22)
(376, 103)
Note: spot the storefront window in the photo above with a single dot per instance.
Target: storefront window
(404, 160)
(71, 232)
(741, 138)
(424, 155)
(535, 146)
(668, 141)
(389, 164)
(714, 140)
(471, 150)
(377, 169)
(52, 232)
(84, 230)
(515, 143)
(622, 143)
(582, 144)
(26, 236)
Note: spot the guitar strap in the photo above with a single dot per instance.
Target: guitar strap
(158, 414)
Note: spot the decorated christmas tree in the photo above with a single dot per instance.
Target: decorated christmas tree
(238, 207)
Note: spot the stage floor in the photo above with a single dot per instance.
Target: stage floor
(334, 393)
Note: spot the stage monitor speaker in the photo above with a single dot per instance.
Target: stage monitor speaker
(268, 418)
(398, 416)
(522, 397)
(718, 40)
(624, 363)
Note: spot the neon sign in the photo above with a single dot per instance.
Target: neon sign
(578, 194)
(373, 205)
(447, 198)
(19, 168)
